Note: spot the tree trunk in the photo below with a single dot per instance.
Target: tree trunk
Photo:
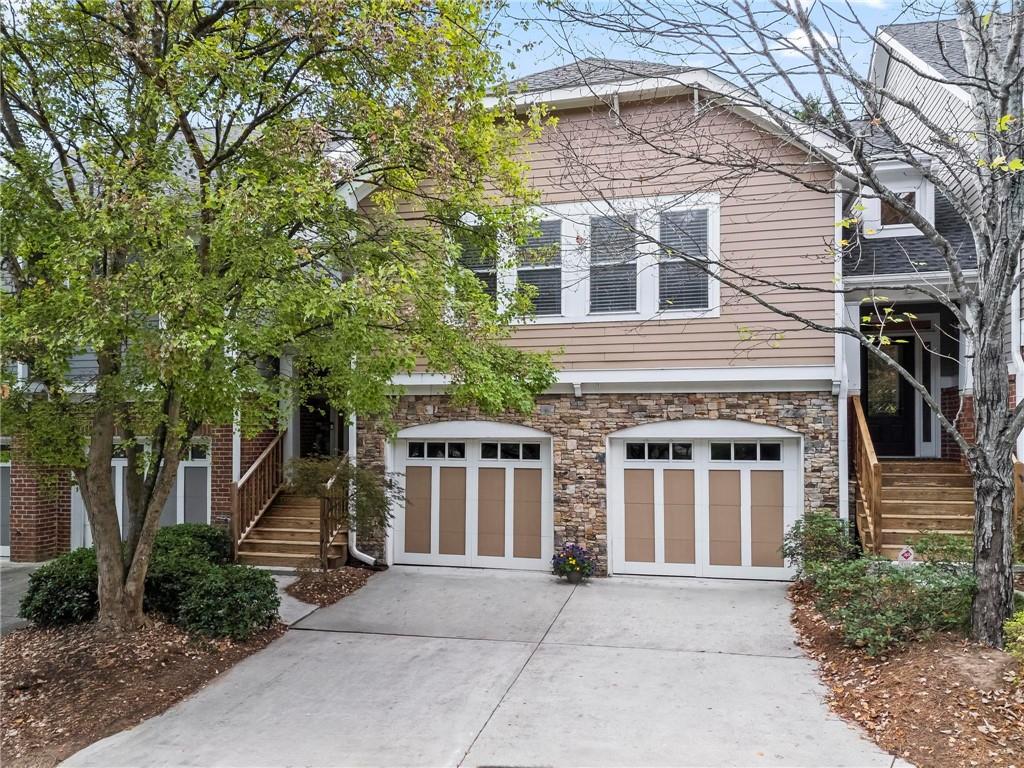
(993, 544)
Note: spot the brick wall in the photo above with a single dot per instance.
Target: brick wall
(951, 407)
(40, 510)
(221, 443)
(579, 426)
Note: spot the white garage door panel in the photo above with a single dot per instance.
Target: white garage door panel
(484, 503)
(702, 507)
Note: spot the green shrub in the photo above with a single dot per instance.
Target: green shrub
(169, 578)
(63, 591)
(943, 549)
(880, 605)
(230, 601)
(1013, 636)
(194, 539)
(818, 538)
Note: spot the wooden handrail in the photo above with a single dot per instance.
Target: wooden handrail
(256, 490)
(333, 515)
(869, 476)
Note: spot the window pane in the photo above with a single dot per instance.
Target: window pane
(435, 450)
(547, 298)
(510, 450)
(199, 450)
(658, 451)
(771, 451)
(745, 451)
(472, 257)
(531, 451)
(488, 450)
(683, 235)
(456, 450)
(635, 451)
(546, 246)
(891, 216)
(883, 386)
(416, 450)
(612, 264)
(682, 451)
(721, 451)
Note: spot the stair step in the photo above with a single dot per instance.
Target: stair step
(278, 559)
(293, 500)
(919, 507)
(283, 533)
(927, 522)
(925, 480)
(900, 538)
(288, 521)
(923, 465)
(284, 546)
(907, 493)
(293, 511)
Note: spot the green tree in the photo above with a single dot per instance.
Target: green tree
(180, 200)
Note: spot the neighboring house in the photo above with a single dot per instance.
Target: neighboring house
(689, 426)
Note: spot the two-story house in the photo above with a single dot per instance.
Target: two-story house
(690, 425)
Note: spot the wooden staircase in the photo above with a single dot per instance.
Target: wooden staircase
(287, 535)
(919, 495)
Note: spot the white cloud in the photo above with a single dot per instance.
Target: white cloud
(798, 43)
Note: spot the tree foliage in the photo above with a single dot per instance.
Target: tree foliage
(197, 187)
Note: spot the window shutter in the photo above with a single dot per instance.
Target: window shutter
(612, 264)
(485, 267)
(684, 237)
(542, 267)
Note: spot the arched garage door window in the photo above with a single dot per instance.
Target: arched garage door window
(703, 497)
(475, 493)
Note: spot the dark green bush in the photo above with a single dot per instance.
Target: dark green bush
(63, 591)
(818, 538)
(943, 549)
(169, 578)
(231, 601)
(880, 605)
(194, 539)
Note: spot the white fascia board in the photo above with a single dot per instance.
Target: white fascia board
(939, 279)
(732, 379)
(922, 66)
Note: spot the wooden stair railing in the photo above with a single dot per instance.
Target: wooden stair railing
(869, 477)
(333, 515)
(256, 490)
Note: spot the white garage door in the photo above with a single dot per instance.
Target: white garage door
(474, 501)
(687, 505)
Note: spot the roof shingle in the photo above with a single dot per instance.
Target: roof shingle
(592, 71)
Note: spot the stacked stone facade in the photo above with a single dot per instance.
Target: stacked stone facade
(579, 427)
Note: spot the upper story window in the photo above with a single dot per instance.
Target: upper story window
(881, 218)
(485, 267)
(600, 261)
(682, 282)
(613, 264)
(891, 216)
(540, 265)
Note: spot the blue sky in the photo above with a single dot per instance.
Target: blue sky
(545, 44)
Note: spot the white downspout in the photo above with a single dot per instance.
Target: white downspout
(1018, 360)
(353, 548)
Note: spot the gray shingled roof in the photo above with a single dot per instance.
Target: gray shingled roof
(592, 71)
(894, 255)
(936, 43)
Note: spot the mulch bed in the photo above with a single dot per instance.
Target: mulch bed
(328, 587)
(940, 703)
(64, 689)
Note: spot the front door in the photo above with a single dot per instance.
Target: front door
(890, 402)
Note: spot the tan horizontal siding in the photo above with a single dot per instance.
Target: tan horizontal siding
(771, 228)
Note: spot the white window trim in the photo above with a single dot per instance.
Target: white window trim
(924, 202)
(575, 264)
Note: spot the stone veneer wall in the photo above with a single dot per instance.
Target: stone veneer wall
(580, 425)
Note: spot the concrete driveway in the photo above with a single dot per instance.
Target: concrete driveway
(13, 586)
(449, 667)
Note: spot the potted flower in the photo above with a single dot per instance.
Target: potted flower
(574, 562)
